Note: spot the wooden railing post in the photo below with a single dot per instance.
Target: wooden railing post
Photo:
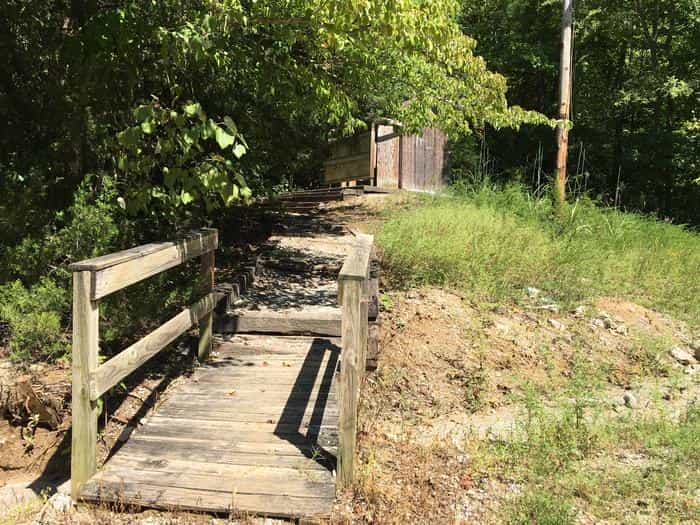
(350, 365)
(85, 356)
(206, 322)
(352, 295)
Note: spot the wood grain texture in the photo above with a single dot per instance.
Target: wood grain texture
(222, 441)
(125, 362)
(356, 265)
(319, 321)
(109, 276)
(207, 318)
(351, 292)
(85, 356)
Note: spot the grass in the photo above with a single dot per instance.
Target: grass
(492, 242)
(572, 455)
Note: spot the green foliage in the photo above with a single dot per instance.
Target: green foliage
(542, 508)
(635, 94)
(179, 157)
(491, 243)
(35, 318)
(89, 227)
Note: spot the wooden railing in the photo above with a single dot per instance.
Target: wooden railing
(94, 279)
(353, 289)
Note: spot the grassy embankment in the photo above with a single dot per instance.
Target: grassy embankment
(575, 458)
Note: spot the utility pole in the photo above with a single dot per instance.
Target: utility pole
(567, 20)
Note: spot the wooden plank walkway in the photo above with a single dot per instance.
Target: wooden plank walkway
(253, 431)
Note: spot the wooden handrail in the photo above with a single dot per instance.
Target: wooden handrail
(115, 271)
(96, 278)
(352, 295)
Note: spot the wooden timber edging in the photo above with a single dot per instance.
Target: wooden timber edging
(95, 278)
(352, 295)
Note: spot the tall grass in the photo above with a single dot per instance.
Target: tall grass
(491, 242)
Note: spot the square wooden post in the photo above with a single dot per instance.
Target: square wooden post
(350, 365)
(206, 322)
(85, 356)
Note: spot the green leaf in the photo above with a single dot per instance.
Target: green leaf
(143, 112)
(239, 150)
(230, 125)
(186, 197)
(148, 127)
(224, 139)
(129, 137)
(192, 109)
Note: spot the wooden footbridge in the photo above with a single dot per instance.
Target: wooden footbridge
(267, 424)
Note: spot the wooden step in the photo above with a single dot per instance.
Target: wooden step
(311, 320)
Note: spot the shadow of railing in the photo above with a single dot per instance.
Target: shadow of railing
(315, 442)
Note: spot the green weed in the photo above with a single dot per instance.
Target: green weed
(541, 508)
(492, 242)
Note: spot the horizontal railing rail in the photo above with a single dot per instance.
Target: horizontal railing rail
(93, 280)
(353, 289)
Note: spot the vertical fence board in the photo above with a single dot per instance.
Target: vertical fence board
(388, 157)
(85, 356)
(351, 333)
(207, 321)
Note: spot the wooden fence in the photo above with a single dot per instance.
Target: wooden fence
(354, 291)
(384, 158)
(93, 280)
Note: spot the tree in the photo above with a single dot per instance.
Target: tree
(635, 101)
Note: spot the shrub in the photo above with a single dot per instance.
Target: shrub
(35, 317)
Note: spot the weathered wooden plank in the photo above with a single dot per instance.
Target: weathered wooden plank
(153, 448)
(296, 344)
(356, 265)
(350, 159)
(388, 157)
(280, 429)
(168, 498)
(297, 483)
(321, 321)
(124, 363)
(85, 357)
(247, 474)
(116, 271)
(177, 428)
(351, 293)
(206, 320)
(282, 415)
(373, 346)
(217, 477)
(280, 447)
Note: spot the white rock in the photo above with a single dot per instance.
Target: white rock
(681, 355)
(551, 308)
(558, 325)
(630, 400)
(61, 502)
(692, 369)
(532, 291)
(597, 323)
(580, 311)
(621, 330)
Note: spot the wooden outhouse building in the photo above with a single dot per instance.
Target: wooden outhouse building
(383, 158)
